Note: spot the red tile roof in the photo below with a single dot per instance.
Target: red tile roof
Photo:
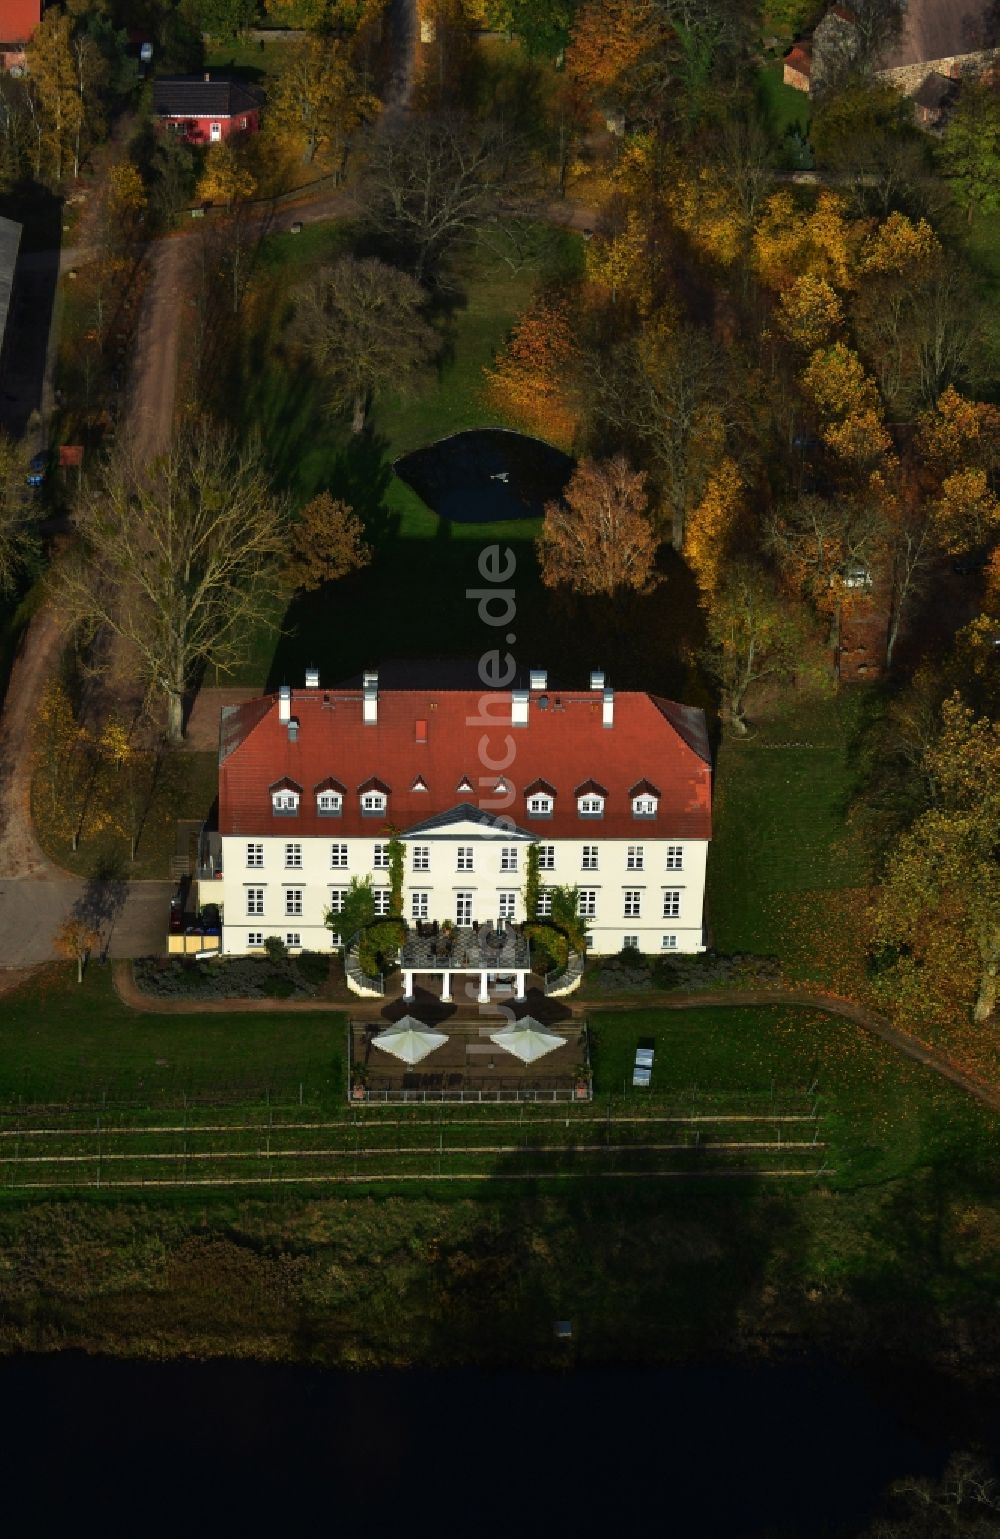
(563, 745)
(18, 19)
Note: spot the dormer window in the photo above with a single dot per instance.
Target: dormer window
(374, 796)
(645, 798)
(285, 796)
(590, 799)
(329, 798)
(540, 798)
(419, 784)
(464, 787)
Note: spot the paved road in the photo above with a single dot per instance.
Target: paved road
(31, 910)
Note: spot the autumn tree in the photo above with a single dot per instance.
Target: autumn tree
(75, 939)
(533, 379)
(959, 447)
(361, 324)
(710, 527)
(128, 772)
(827, 550)
(18, 540)
(318, 100)
(598, 538)
(327, 541)
(754, 635)
(65, 800)
(937, 920)
(224, 178)
(177, 558)
(53, 71)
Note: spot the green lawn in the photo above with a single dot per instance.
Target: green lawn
(60, 1042)
(782, 106)
(983, 246)
(781, 831)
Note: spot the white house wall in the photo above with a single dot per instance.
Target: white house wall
(444, 880)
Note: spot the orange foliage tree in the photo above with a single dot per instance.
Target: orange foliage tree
(598, 538)
(532, 379)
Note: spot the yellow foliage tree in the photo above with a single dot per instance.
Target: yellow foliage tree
(899, 246)
(75, 939)
(318, 99)
(609, 38)
(532, 380)
(126, 190)
(620, 265)
(704, 208)
(790, 241)
(809, 312)
(224, 179)
(967, 513)
(710, 525)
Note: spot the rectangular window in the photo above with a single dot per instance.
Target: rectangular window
(507, 905)
(634, 857)
(380, 859)
(421, 857)
(293, 856)
(337, 896)
(463, 908)
(588, 902)
(463, 857)
(668, 942)
(293, 902)
(382, 896)
(255, 900)
(630, 942)
(544, 908)
(338, 855)
(418, 905)
(633, 903)
(675, 857)
(293, 938)
(546, 857)
(590, 857)
(255, 854)
(255, 938)
(671, 903)
(508, 858)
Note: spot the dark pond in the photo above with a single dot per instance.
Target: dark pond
(711, 1452)
(486, 475)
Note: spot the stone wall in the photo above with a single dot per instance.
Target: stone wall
(910, 77)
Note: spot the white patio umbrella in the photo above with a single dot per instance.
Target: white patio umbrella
(527, 1039)
(409, 1039)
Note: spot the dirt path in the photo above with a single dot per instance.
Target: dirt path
(161, 326)
(905, 1044)
(20, 854)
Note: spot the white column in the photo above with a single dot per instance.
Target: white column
(484, 987)
(446, 986)
(519, 990)
(407, 985)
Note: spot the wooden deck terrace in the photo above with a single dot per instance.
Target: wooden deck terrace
(471, 1067)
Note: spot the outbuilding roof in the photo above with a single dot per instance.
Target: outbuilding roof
(650, 739)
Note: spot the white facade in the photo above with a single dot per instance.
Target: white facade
(649, 892)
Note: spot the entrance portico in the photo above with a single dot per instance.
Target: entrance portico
(493, 957)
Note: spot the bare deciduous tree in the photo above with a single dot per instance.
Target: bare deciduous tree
(18, 542)
(598, 538)
(361, 324)
(179, 559)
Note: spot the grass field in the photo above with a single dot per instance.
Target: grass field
(783, 837)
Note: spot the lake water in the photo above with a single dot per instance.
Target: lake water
(703, 1452)
(486, 475)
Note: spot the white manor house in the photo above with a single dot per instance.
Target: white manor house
(614, 789)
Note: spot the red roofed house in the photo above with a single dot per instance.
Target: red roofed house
(18, 20)
(614, 789)
(203, 110)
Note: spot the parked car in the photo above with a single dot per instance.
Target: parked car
(38, 470)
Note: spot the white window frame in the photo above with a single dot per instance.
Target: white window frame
(255, 856)
(671, 903)
(644, 806)
(464, 857)
(668, 942)
(508, 857)
(337, 896)
(329, 803)
(338, 857)
(380, 857)
(507, 906)
(293, 902)
(590, 806)
(215, 133)
(587, 903)
(373, 801)
(421, 857)
(539, 806)
(675, 857)
(589, 856)
(543, 908)
(293, 857)
(419, 904)
(546, 857)
(285, 801)
(255, 937)
(255, 901)
(293, 939)
(463, 908)
(382, 896)
(635, 857)
(632, 902)
(630, 941)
